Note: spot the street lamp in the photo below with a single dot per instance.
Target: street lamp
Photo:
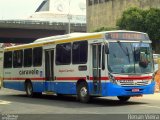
(69, 16)
(69, 22)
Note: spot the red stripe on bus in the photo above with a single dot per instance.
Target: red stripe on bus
(23, 78)
(126, 78)
(91, 78)
(134, 78)
(101, 78)
(70, 78)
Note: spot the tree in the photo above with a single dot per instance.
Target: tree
(133, 19)
(142, 20)
(153, 23)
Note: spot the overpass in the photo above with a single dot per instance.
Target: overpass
(26, 31)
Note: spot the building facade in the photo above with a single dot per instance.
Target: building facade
(104, 13)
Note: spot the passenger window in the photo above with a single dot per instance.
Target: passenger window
(63, 54)
(17, 58)
(79, 52)
(28, 57)
(37, 56)
(7, 60)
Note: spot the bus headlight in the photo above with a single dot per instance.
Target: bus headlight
(111, 78)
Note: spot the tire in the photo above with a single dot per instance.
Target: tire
(29, 89)
(37, 94)
(123, 98)
(82, 93)
(60, 95)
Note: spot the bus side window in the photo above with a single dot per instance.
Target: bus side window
(17, 58)
(37, 56)
(27, 57)
(8, 60)
(80, 52)
(63, 54)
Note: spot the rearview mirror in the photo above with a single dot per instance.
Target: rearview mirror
(106, 49)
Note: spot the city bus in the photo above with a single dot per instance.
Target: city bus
(111, 63)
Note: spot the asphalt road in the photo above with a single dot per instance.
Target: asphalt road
(15, 102)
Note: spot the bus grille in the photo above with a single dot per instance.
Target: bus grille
(133, 82)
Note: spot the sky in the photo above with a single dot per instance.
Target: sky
(19, 9)
(14, 9)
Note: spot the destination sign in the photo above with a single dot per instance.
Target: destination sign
(126, 36)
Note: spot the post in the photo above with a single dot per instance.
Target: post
(69, 18)
(69, 23)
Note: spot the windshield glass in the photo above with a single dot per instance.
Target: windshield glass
(130, 58)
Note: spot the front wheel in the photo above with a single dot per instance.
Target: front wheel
(123, 98)
(82, 92)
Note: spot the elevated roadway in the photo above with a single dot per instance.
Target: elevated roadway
(26, 31)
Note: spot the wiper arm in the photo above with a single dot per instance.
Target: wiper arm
(125, 52)
(128, 55)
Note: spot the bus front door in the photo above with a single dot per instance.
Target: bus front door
(96, 67)
(49, 70)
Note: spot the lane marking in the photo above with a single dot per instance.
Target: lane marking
(4, 102)
(158, 107)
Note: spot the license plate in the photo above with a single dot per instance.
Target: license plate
(135, 90)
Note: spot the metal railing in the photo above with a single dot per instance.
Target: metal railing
(38, 22)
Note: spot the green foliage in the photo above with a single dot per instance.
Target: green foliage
(132, 19)
(142, 20)
(153, 23)
(137, 19)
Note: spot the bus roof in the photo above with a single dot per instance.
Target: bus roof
(58, 37)
(64, 38)
(56, 40)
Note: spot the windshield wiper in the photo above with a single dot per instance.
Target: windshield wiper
(126, 52)
(128, 55)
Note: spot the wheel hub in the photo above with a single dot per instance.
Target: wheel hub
(29, 89)
(83, 91)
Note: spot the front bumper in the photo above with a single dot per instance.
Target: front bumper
(110, 89)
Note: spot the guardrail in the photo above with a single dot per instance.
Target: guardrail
(38, 22)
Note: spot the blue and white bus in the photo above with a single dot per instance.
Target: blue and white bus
(111, 63)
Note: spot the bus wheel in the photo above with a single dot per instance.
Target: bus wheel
(82, 92)
(59, 95)
(123, 98)
(29, 89)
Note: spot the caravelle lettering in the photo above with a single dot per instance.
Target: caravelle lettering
(29, 72)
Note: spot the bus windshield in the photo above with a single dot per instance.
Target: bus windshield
(130, 58)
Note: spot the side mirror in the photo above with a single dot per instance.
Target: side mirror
(106, 49)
